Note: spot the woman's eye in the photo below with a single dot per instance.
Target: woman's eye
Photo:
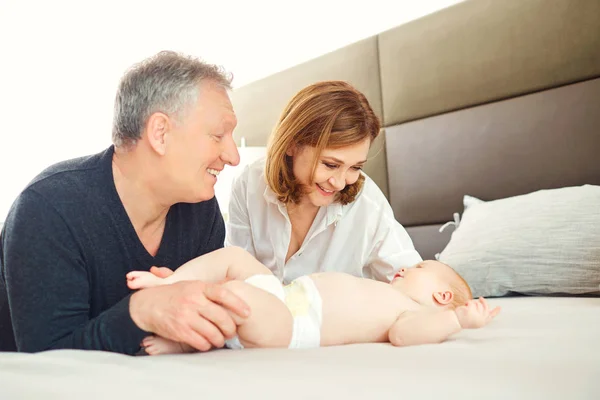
(218, 138)
(357, 168)
(330, 166)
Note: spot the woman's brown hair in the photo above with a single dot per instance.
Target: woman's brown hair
(329, 114)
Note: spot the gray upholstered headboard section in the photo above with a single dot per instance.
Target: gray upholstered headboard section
(490, 98)
(538, 141)
(475, 103)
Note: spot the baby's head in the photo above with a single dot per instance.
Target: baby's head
(433, 283)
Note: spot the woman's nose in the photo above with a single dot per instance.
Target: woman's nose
(337, 184)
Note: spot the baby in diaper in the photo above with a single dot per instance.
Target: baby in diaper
(426, 303)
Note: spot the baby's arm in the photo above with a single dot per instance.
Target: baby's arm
(231, 263)
(433, 326)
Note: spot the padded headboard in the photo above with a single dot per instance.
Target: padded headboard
(491, 98)
(538, 141)
(480, 99)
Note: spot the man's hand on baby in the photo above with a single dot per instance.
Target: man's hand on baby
(200, 314)
(475, 314)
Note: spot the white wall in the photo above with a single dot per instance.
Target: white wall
(60, 61)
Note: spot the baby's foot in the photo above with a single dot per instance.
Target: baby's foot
(142, 279)
(155, 345)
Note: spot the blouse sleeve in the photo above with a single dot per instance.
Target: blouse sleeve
(239, 231)
(392, 247)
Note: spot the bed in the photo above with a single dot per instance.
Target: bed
(538, 349)
(491, 136)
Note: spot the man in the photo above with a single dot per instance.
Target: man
(78, 228)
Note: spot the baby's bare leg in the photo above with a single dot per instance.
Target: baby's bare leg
(143, 279)
(270, 323)
(216, 266)
(155, 345)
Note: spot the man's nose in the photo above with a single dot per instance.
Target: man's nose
(230, 154)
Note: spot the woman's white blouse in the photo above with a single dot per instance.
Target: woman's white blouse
(361, 238)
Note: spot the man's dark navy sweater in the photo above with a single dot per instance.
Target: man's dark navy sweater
(65, 249)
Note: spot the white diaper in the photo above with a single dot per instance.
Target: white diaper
(304, 302)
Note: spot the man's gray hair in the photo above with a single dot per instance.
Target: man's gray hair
(167, 82)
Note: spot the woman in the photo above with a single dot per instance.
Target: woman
(308, 207)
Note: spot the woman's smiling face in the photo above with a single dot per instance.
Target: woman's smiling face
(336, 169)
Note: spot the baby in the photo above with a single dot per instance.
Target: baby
(423, 304)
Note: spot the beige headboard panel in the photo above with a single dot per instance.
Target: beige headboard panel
(259, 104)
(485, 50)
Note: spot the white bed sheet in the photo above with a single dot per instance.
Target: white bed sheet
(537, 348)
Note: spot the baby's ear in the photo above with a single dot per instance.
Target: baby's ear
(443, 298)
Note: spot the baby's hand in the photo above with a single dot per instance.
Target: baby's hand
(475, 314)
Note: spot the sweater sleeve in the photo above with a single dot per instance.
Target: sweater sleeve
(48, 287)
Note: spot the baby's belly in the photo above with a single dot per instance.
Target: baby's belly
(355, 312)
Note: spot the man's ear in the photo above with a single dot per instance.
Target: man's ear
(443, 298)
(156, 132)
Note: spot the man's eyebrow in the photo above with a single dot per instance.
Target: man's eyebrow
(337, 160)
(229, 121)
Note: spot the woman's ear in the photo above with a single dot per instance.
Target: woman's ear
(443, 298)
(291, 151)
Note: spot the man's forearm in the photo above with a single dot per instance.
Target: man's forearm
(422, 327)
(113, 330)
